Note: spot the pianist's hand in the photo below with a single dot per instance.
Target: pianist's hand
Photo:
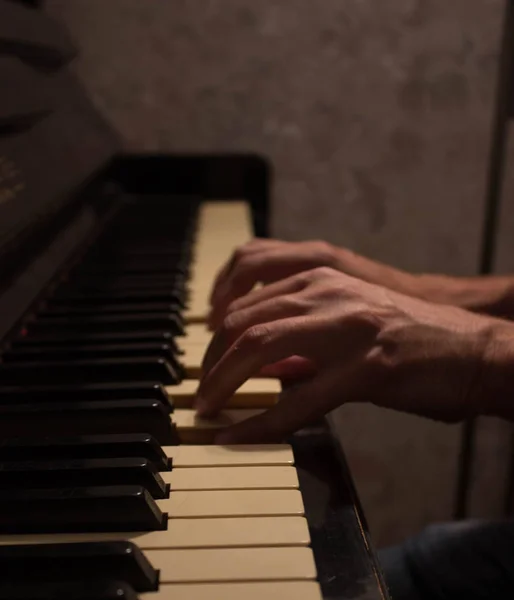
(359, 343)
(267, 261)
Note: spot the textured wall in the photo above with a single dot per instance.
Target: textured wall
(376, 118)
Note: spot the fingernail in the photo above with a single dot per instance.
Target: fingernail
(198, 403)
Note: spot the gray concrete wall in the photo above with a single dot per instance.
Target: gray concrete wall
(376, 117)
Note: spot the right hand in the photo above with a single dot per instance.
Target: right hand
(268, 260)
(364, 343)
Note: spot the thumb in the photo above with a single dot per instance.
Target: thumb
(298, 405)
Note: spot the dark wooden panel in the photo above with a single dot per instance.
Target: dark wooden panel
(32, 3)
(33, 35)
(347, 566)
(42, 165)
(215, 175)
(25, 93)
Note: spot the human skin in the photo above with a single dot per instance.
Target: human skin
(267, 261)
(338, 339)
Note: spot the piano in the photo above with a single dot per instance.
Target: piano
(110, 486)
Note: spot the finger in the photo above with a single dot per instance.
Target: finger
(350, 334)
(298, 406)
(257, 347)
(290, 285)
(238, 322)
(285, 287)
(293, 368)
(303, 403)
(256, 245)
(266, 267)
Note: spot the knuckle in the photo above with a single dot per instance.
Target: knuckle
(294, 303)
(232, 307)
(366, 317)
(255, 337)
(317, 277)
(323, 272)
(240, 252)
(229, 325)
(383, 361)
(242, 268)
(326, 291)
(324, 250)
(300, 281)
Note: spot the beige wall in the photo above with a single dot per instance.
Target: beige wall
(376, 117)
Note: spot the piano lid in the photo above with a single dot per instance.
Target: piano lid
(52, 139)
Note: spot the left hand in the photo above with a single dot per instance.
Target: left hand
(343, 340)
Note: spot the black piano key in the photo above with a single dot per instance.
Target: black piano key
(92, 352)
(162, 258)
(79, 562)
(93, 392)
(113, 263)
(58, 590)
(112, 281)
(142, 253)
(109, 322)
(86, 447)
(124, 262)
(150, 336)
(88, 509)
(78, 351)
(88, 418)
(87, 351)
(136, 231)
(128, 288)
(109, 369)
(48, 474)
(101, 269)
(65, 295)
(71, 309)
(126, 282)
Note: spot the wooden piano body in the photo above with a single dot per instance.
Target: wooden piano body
(271, 521)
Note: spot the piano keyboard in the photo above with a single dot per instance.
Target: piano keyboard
(105, 467)
(222, 227)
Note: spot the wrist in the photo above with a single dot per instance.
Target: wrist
(497, 378)
(443, 289)
(375, 272)
(493, 296)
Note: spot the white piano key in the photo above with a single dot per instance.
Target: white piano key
(193, 429)
(193, 533)
(233, 564)
(232, 503)
(254, 393)
(238, 455)
(276, 590)
(222, 227)
(236, 478)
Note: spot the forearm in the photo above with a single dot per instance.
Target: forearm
(493, 295)
(496, 380)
